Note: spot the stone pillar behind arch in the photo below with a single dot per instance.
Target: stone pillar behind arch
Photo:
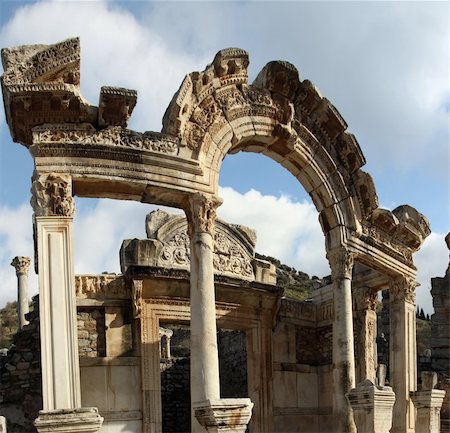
(22, 265)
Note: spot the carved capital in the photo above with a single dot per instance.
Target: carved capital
(52, 195)
(341, 263)
(21, 264)
(365, 298)
(403, 289)
(136, 298)
(201, 214)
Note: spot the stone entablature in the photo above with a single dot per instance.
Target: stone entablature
(168, 246)
(103, 286)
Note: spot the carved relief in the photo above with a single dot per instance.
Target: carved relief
(341, 263)
(113, 136)
(21, 265)
(102, 286)
(136, 298)
(229, 257)
(365, 298)
(52, 195)
(403, 289)
(201, 215)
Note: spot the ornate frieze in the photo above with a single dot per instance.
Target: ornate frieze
(201, 214)
(104, 286)
(341, 263)
(365, 298)
(21, 265)
(403, 289)
(113, 136)
(52, 195)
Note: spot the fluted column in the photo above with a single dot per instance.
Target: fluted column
(53, 216)
(402, 358)
(22, 265)
(341, 263)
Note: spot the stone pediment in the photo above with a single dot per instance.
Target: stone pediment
(168, 246)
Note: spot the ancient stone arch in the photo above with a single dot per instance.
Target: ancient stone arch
(87, 151)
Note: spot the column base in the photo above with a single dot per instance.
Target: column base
(428, 404)
(372, 407)
(82, 420)
(227, 415)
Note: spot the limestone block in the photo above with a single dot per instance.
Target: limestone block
(372, 407)
(83, 420)
(230, 415)
(285, 389)
(2, 424)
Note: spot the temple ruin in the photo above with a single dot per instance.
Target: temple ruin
(306, 366)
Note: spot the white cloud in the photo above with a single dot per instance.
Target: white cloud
(431, 261)
(287, 230)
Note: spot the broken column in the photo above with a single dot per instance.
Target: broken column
(402, 352)
(22, 265)
(211, 413)
(341, 263)
(428, 402)
(372, 407)
(53, 217)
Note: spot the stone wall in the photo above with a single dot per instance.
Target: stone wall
(20, 372)
(314, 345)
(91, 332)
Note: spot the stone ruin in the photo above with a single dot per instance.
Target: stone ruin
(104, 350)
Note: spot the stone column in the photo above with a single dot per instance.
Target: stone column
(22, 265)
(211, 413)
(366, 323)
(53, 215)
(402, 352)
(341, 262)
(428, 403)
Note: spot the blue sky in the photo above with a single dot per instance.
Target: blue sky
(384, 65)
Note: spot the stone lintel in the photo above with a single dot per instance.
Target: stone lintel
(82, 420)
(224, 415)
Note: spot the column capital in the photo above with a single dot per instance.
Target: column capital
(365, 298)
(21, 264)
(201, 214)
(341, 263)
(403, 288)
(52, 195)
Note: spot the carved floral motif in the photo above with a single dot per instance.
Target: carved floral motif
(114, 136)
(366, 298)
(136, 298)
(341, 263)
(52, 195)
(21, 264)
(201, 215)
(403, 289)
(228, 256)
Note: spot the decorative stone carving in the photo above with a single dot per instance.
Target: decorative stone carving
(365, 298)
(341, 263)
(112, 136)
(224, 415)
(115, 106)
(52, 195)
(104, 286)
(136, 298)
(201, 215)
(21, 265)
(403, 289)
